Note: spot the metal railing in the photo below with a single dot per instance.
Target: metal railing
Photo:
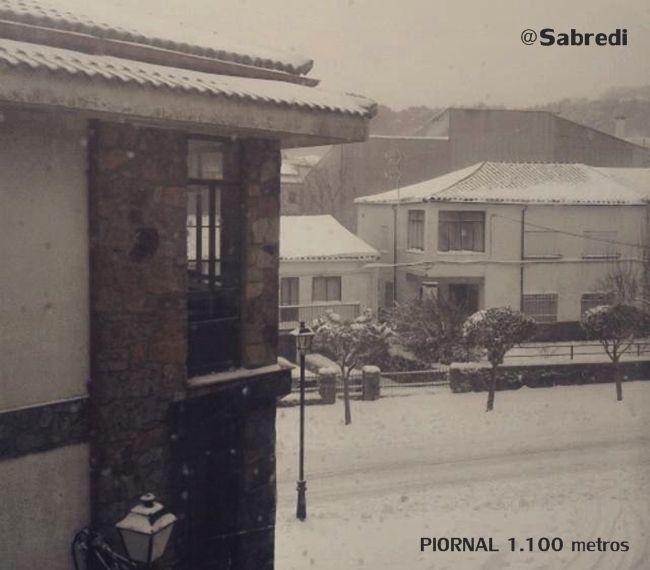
(572, 350)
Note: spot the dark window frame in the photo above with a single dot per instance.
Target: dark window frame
(329, 289)
(415, 230)
(214, 277)
(461, 230)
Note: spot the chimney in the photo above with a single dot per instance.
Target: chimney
(619, 130)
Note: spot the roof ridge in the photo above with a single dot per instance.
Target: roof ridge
(479, 165)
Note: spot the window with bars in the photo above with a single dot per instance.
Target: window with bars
(326, 289)
(600, 244)
(541, 306)
(213, 256)
(461, 231)
(591, 300)
(415, 238)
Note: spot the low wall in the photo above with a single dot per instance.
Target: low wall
(475, 377)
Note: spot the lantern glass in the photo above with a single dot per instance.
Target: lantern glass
(304, 337)
(145, 531)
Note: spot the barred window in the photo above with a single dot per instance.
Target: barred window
(461, 231)
(213, 256)
(541, 306)
(591, 300)
(326, 289)
(415, 230)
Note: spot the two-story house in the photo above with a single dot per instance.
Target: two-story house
(323, 267)
(539, 237)
(140, 207)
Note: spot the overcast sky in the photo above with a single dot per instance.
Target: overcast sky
(440, 53)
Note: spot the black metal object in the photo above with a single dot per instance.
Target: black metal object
(96, 552)
(301, 507)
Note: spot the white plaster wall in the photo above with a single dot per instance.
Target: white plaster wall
(358, 285)
(45, 500)
(44, 318)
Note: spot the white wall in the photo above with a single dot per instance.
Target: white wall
(44, 502)
(499, 266)
(358, 285)
(44, 330)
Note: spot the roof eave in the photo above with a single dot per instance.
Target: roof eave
(192, 111)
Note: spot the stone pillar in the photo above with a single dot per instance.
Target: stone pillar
(261, 161)
(370, 383)
(327, 384)
(138, 288)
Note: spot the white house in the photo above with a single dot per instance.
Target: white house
(540, 237)
(323, 266)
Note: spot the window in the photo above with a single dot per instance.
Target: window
(292, 197)
(383, 238)
(326, 289)
(541, 244)
(465, 296)
(591, 300)
(600, 244)
(213, 253)
(289, 291)
(461, 231)
(415, 238)
(289, 298)
(541, 306)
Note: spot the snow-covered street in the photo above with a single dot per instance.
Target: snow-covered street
(565, 462)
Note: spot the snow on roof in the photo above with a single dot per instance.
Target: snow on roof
(636, 178)
(501, 182)
(124, 24)
(320, 238)
(33, 58)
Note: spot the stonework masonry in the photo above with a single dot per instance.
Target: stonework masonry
(150, 431)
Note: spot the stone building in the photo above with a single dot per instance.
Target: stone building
(139, 201)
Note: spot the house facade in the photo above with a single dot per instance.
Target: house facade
(140, 201)
(323, 267)
(537, 237)
(452, 140)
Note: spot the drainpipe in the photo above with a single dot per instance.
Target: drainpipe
(394, 254)
(521, 268)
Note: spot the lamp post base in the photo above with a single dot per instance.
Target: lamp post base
(301, 508)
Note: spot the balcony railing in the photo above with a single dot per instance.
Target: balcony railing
(292, 315)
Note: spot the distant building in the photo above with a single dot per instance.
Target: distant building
(454, 139)
(538, 237)
(323, 267)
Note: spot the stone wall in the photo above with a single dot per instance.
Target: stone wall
(476, 377)
(137, 205)
(260, 250)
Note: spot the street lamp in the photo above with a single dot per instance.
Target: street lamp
(144, 531)
(304, 337)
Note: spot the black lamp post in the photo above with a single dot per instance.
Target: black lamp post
(304, 337)
(144, 531)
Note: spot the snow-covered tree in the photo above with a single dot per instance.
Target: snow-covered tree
(497, 330)
(616, 327)
(351, 344)
(432, 329)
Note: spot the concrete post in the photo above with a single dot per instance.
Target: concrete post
(370, 383)
(327, 384)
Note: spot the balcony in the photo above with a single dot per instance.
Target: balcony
(292, 315)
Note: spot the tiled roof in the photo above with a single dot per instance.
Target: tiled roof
(314, 238)
(500, 182)
(101, 21)
(33, 57)
(636, 178)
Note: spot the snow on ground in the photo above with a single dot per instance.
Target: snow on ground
(567, 462)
